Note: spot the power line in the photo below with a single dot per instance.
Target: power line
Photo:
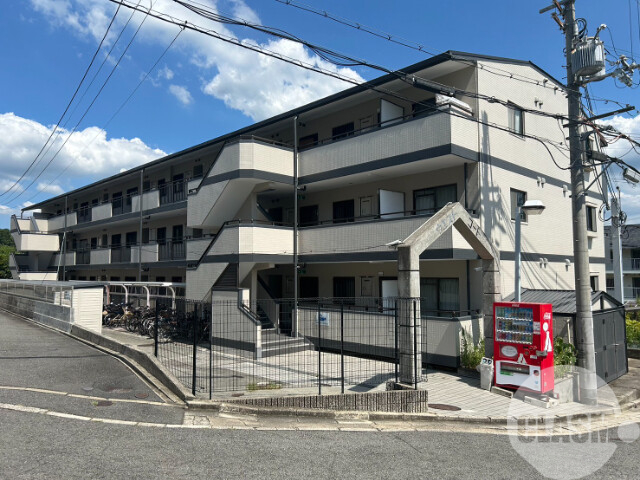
(68, 104)
(122, 105)
(104, 84)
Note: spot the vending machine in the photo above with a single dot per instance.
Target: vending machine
(523, 346)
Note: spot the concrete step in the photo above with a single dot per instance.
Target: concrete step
(278, 344)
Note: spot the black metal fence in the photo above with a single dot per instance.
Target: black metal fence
(231, 345)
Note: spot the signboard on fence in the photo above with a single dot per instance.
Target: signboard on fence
(323, 319)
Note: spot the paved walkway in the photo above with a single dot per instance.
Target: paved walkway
(457, 395)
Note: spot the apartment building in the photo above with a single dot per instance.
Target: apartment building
(630, 243)
(372, 166)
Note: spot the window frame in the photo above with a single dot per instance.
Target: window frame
(513, 126)
(592, 218)
(434, 191)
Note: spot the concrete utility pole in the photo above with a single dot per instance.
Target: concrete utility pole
(584, 318)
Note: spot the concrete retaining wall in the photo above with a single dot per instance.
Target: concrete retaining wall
(56, 316)
(405, 401)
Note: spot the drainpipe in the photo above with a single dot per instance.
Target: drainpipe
(294, 317)
(64, 237)
(140, 230)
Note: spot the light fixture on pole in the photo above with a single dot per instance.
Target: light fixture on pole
(530, 207)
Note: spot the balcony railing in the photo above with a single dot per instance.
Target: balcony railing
(83, 257)
(171, 250)
(121, 254)
(173, 192)
(84, 215)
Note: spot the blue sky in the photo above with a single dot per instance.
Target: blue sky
(203, 88)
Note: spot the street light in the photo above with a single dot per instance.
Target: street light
(530, 207)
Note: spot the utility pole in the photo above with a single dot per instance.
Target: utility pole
(584, 319)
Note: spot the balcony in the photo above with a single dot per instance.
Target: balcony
(366, 238)
(629, 264)
(120, 254)
(171, 250)
(433, 142)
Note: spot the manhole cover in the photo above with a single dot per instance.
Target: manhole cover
(117, 390)
(141, 395)
(442, 406)
(103, 403)
(87, 389)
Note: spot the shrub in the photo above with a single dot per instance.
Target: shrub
(633, 332)
(471, 353)
(564, 357)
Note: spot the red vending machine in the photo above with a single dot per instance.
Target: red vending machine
(523, 346)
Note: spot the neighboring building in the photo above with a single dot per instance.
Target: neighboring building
(630, 241)
(373, 168)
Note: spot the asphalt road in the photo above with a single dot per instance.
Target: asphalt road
(61, 431)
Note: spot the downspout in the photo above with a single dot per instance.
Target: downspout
(64, 236)
(140, 229)
(294, 318)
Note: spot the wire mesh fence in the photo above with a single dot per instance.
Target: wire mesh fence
(232, 345)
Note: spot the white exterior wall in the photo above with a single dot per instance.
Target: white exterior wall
(427, 132)
(550, 233)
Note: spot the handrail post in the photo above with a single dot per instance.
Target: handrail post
(195, 349)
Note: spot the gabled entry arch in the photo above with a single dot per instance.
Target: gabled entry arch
(451, 215)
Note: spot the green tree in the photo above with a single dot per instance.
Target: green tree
(5, 251)
(5, 237)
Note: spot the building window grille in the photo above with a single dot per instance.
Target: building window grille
(517, 200)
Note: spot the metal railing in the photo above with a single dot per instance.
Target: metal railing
(171, 250)
(329, 344)
(172, 192)
(121, 254)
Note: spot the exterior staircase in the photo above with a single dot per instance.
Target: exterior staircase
(274, 344)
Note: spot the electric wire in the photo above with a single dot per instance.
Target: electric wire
(104, 84)
(84, 76)
(118, 110)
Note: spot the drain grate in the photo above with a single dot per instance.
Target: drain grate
(442, 406)
(141, 395)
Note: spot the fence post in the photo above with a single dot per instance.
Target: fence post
(342, 345)
(319, 352)
(210, 320)
(415, 346)
(395, 319)
(195, 349)
(155, 332)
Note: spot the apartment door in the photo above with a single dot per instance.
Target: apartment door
(116, 250)
(131, 239)
(162, 191)
(179, 192)
(128, 201)
(366, 207)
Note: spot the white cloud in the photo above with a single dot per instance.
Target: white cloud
(254, 84)
(90, 154)
(165, 73)
(181, 93)
(53, 188)
(629, 193)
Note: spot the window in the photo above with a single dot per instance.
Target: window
(424, 107)
(308, 215)
(197, 233)
(345, 288)
(439, 294)
(593, 280)
(610, 283)
(94, 243)
(342, 131)
(430, 200)
(197, 170)
(308, 141)
(146, 185)
(129, 279)
(591, 219)
(145, 235)
(343, 211)
(517, 200)
(516, 119)
(105, 240)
